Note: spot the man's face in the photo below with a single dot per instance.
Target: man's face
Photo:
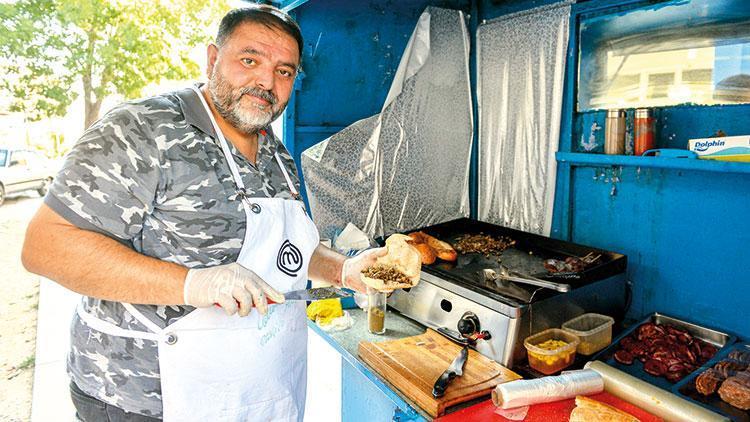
(252, 75)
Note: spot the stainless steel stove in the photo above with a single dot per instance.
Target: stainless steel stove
(470, 301)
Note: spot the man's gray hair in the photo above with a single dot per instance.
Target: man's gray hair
(263, 14)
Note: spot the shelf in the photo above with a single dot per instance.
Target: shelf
(691, 164)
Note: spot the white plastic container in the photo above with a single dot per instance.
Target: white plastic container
(594, 331)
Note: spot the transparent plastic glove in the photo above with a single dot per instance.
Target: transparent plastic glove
(351, 271)
(232, 286)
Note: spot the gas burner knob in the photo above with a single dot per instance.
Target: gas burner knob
(468, 325)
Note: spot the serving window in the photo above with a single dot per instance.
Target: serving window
(666, 54)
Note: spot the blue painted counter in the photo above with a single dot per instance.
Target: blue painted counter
(365, 395)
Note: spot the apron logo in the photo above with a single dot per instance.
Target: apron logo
(289, 260)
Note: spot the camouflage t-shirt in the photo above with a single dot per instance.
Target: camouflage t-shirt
(151, 174)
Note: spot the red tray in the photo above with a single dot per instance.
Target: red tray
(544, 412)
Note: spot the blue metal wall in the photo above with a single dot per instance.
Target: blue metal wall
(686, 232)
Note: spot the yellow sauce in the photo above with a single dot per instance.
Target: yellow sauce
(551, 344)
(549, 364)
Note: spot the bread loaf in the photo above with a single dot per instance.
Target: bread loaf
(590, 410)
(442, 249)
(425, 252)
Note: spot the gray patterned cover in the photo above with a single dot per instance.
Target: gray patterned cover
(408, 166)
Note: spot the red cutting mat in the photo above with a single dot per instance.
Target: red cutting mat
(544, 412)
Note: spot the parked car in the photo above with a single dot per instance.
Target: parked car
(23, 170)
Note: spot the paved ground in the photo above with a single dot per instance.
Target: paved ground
(35, 317)
(51, 397)
(18, 310)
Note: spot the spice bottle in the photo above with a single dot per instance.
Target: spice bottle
(614, 140)
(376, 305)
(644, 125)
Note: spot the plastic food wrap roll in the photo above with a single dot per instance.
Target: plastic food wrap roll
(542, 390)
(651, 398)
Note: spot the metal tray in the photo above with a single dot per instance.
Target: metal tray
(686, 389)
(720, 340)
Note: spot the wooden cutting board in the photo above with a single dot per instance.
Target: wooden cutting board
(413, 364)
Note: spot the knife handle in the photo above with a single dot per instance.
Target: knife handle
(438, 390)
(269, 301)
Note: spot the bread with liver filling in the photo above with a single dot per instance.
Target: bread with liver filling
(398, 269)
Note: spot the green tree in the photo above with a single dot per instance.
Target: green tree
(109, 46)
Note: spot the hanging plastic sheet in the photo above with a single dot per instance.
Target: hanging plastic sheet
(521, 63)
(408, 166)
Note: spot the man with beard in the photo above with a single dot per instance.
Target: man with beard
(172, 205)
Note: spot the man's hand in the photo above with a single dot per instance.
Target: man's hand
(351, 271)
(229, 285)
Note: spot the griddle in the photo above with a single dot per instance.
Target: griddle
(526, 256)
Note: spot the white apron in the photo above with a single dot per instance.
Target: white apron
(216, 367)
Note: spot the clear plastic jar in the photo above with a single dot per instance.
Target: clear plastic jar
(376, 305)
(594, 331)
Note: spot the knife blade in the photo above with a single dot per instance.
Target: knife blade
(456, 369)
(311, 295)
(318, 293)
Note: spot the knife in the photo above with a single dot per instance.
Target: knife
(456, 369)
(311, 295)
(318, 293)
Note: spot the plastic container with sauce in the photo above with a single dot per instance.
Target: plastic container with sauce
(594, 331)
(551, 350)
